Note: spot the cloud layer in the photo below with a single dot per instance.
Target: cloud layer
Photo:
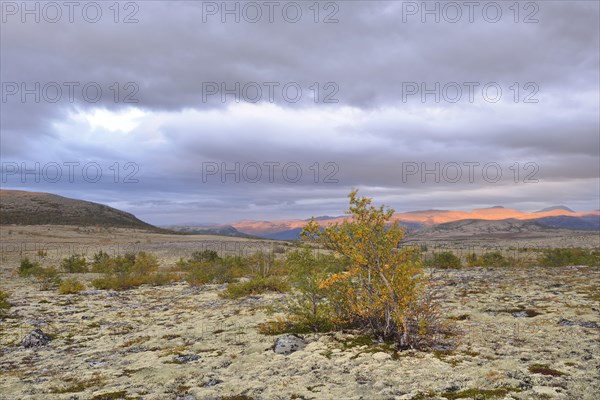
(417, 114)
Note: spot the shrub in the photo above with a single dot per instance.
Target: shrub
(569, 256)
(74, 264)
(28, 268)
(310, 308)
(122, 264)
(384, 290)
(262, 264)
(129, 271)
(48, 278)
(201, 273)
(495, 259)
(128, 281)
(70, 286)
(472, 260)
(205, 255)
(445, 260)
(255, 286)
(101, 262)
(144, 264)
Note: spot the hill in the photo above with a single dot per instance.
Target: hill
(36, 208)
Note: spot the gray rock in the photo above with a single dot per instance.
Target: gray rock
(36, 338)
(584, 324)
(212, 382)
(288, 344)
(185, 397)
(520, 314)
(186, 358)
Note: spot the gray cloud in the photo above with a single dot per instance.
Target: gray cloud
(370, 54)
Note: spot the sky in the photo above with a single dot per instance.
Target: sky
(186, 112)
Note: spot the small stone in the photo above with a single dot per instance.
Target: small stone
(380, 356)
(212, 382)
(36, 338)
(185, 397)
(186, 358)
(137, 349)
(288, 344)
(584, 324)
(520, 314)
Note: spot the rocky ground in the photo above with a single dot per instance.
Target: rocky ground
(522, 334)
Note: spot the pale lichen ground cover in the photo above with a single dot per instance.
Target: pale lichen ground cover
(165, 342)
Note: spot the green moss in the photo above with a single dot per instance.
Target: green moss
(122, 394)
(237, 397)
(74, 388)
(478, 394)
(462, 317)
(255, 286)
(4, 304)
(544, 369)
(423, 396)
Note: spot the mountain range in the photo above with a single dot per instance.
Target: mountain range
(414, 221)
(33, 208)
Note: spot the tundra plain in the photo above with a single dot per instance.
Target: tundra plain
(520, 333)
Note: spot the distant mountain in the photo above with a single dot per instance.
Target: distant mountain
(586, 222)
(36, 208)
(555, 208)
(292, 234)
(417, 220)
(322, 218)
(219, 230)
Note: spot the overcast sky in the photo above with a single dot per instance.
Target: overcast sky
(492, 105)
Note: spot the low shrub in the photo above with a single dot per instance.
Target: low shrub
(255, 286)
(28, 268)
(205, 256)
(129, 271)
(445, 260)
(472, 260)
(70, 286)
(4, 304)
(494, 259)
(201, 273)
(74, 264)
(101, 262)
(312, 306)
(569, 256)
(121, 282)
(48, 278)
(384, 290)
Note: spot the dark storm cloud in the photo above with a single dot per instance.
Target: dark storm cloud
(371, 134)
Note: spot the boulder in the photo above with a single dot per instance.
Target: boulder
(287, 344)
(36, 338)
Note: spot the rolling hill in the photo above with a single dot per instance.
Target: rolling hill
(36, 208)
